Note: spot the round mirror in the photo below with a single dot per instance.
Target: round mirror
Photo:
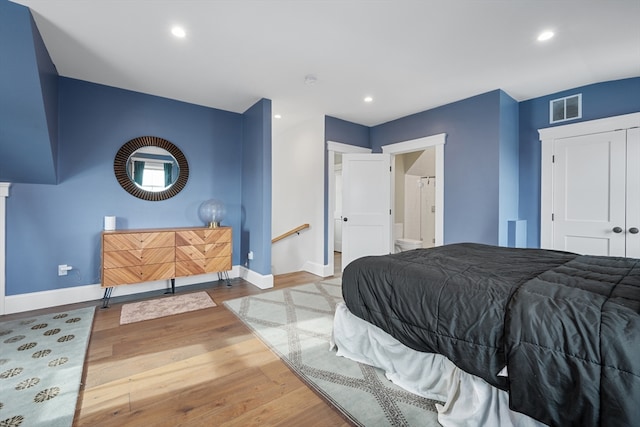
(151, 168)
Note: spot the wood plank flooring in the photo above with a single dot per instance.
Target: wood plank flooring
(203, 368)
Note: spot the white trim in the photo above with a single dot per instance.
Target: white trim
(548, 136)
(95, 292)
(259, 280)
(341, 148)
(436, 141)
(415, 144)
(317, 269)
(607, 124)
(4, 193)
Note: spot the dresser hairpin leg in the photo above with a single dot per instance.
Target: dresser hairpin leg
(173, 287)
(224, 275)
(106, 297)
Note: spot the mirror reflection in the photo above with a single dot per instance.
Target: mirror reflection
(153, 169)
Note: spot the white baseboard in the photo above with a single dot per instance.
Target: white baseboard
(45, 299)
(260, 280)
(318, 269)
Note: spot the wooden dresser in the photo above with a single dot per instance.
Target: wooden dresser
(136, 256)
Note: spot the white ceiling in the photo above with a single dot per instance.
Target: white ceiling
(409, 55)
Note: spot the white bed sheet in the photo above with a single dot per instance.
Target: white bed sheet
(469, 400)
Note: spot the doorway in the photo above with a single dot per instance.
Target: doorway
(414, 197)
(335, 149)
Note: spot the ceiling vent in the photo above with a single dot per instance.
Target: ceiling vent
(567, 108)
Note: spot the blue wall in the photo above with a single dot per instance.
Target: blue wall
(509, 168)
(49, 225)
(338, 130)
(256, 187)
(28, 101)
(599, 100)
(472, 160)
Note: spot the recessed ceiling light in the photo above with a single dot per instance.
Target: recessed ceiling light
(545, 35)
(277, 116)
(178, 32)
(368, 99)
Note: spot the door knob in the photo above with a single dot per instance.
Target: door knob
(617, 230)
(633, 230)
(345, 219)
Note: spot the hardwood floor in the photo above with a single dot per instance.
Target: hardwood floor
(203, 368)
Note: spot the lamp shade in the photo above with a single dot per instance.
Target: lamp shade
(212, 212)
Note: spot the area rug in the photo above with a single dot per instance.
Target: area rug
(296, 323)
(166, 306)
(41, 361)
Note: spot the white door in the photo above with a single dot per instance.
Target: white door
(633, 194)
(366, 206)
(589, 186)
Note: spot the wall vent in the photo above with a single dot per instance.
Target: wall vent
(567, 108)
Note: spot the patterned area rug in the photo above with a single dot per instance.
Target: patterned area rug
(161, 307)
(296, 323)
(41, 360)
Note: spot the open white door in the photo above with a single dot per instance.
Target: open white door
(366, 206)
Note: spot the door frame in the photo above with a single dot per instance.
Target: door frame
(437, 141)
(4, 193)
(334, 148)
(547, 137)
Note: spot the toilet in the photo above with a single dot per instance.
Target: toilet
(407, 244)
(402, 244)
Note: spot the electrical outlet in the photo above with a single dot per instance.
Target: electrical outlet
(250, 256)
(63, 268)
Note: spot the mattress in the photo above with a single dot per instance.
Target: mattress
(467, 400)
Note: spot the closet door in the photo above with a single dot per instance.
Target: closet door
(633, 194)
(589, 194)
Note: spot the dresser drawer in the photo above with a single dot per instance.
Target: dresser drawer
(203, 236)
(128, 241)
(137, 274)
(203, 266)
(185, 253)
(115, 259)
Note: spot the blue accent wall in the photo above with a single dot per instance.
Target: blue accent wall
(338, 130)
(256, 187)
(599, 100)
(28, 104)
(49, 225)
(508, 153)
(472, 161)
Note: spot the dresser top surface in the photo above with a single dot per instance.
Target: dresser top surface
(159, 230)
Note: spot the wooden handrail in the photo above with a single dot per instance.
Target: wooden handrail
(296, 230)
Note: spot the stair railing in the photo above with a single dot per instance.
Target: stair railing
(296, 230)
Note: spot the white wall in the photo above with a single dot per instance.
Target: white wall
(298, 197)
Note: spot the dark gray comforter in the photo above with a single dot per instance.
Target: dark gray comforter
(566, 326)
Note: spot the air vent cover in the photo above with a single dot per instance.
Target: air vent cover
(567, 108)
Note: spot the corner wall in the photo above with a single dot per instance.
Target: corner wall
(256, 190)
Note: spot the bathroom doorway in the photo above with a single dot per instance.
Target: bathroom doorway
(415, 197)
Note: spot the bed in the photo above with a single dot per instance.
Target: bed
(522, 336)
